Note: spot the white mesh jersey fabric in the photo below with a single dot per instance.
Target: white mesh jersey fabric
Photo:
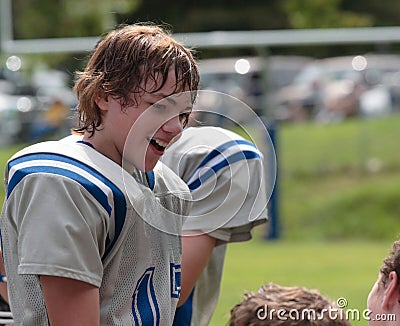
(55, 187)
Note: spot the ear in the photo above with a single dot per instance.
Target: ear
(102, 103)
(391, 296)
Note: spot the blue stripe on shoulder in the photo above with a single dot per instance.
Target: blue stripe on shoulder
(217, 151)
(119, 204)
(225, 162)
(94, 190)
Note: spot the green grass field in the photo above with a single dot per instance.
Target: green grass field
(339, 190)
(340, 181)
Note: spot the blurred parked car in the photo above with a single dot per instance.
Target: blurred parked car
(51, 85)
(339, 87)
(18, 108)
(34, 103)
(249, 79)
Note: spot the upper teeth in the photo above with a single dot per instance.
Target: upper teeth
(161, 143)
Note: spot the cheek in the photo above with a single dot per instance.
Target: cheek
(145, 122)
(132, 124)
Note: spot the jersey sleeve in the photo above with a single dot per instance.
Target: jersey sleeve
(61, 230)
(230, 203)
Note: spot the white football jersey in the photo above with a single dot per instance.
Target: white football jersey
(72, 212)
(225, 174)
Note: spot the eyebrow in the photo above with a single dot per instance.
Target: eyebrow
(162, 96)
(169, 98)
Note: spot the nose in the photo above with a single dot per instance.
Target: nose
(173, 126)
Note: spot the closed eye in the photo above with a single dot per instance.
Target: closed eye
(158, 106)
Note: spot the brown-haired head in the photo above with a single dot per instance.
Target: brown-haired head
(126, 59)
(263, 308)
(391, 263)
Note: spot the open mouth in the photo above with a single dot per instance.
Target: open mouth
(158, 144)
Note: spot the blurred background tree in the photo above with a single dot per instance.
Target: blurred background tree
(66, 18)
(77, 18)
(324, 14)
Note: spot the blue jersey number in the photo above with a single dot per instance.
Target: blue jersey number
(145, 308)
(175, 274)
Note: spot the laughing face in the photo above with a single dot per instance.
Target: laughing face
(138, 134)
(155, 128)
